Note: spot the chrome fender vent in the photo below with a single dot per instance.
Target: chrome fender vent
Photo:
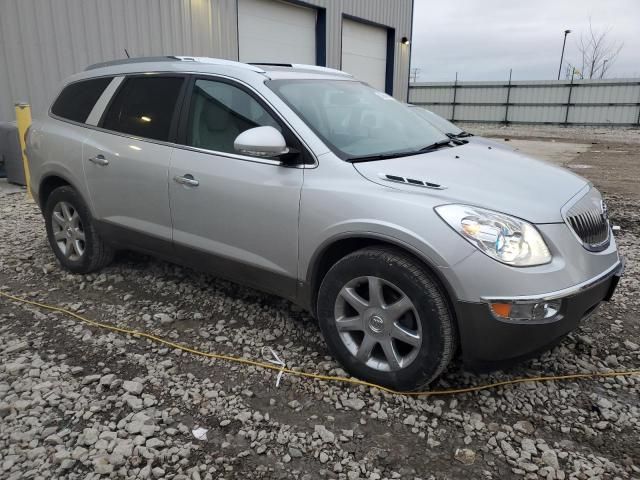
(411, 181)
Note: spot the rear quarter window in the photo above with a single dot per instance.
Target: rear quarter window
(77, 99)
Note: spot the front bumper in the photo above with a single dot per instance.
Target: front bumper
(489, 343)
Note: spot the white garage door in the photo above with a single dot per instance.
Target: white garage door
(276, 32)
(364, 52)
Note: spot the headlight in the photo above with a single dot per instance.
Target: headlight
(503, 237)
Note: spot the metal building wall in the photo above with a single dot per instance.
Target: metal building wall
(397, 14)
(586, 102)
(44, 41)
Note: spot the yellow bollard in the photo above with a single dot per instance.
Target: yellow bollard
(23, 119)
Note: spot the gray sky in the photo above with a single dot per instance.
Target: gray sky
(482, 39)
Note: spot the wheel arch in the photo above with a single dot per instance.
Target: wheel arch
(335, 249)
(49, 183)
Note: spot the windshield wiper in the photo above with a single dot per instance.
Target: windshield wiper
(380, 156)
(462, 134)
(385, 156)
(435, 146)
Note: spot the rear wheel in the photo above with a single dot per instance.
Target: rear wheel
(72, 234)
(386, 319)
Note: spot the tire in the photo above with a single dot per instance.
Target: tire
(374, 340)
(72, 235)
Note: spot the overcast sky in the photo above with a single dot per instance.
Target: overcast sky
(482, 39)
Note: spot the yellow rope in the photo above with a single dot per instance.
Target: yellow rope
(316, 376)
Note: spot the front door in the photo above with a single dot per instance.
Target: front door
(125, 167)
(234, 214)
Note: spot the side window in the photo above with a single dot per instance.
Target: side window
(76, 100)
(219, 112)
(144, 107)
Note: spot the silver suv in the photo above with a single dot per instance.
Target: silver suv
(301, 181)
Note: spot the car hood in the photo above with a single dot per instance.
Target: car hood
(476, 174)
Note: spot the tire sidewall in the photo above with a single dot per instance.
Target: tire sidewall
(427, 298)
(69, 195)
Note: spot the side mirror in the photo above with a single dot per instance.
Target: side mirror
(261, 142)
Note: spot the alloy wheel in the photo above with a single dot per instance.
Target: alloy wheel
(378, 323)
(68, 231)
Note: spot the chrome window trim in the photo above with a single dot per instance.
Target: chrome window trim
(187, 147)
(616, 269)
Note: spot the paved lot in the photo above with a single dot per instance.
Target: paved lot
(80, 402)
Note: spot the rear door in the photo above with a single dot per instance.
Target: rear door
(235, 215)
(126, 161)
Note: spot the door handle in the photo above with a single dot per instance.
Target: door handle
(186, 180)
(99, 160)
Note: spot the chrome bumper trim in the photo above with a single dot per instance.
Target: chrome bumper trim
(616, 269)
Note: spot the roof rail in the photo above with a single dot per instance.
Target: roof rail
(168, 58)
(124, 61)
(321, 69)
(220, 61)
(304, 66)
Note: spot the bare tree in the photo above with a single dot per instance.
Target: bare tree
(598, 53)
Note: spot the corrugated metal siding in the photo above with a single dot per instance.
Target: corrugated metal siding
(42, 42)
(591, 102)
(391, 13)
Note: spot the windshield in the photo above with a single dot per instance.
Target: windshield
(354, 120)
(445, 126)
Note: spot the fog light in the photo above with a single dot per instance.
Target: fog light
(526, 311)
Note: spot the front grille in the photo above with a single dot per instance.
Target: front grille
(589, 221)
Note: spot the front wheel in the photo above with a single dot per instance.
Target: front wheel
(386, 319)
(72, 234)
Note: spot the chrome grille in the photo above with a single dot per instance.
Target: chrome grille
(589, 221)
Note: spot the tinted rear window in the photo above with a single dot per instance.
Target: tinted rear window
(76, 100)
(144, 107)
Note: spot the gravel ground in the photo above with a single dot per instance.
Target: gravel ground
(578, 133)
(80, 402)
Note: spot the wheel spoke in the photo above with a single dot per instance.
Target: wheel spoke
(59, 235)
(75, 219)
(375, 292)
(404, 335)
(68, 249)
(58, 218)
(78, 248)
(349, 324)
(66, 211)
(391, 354)
(364, 351)
(353, 299)
(397, 309)
(80, 235)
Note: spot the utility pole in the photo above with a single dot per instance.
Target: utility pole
(566, 32)
(415, 72)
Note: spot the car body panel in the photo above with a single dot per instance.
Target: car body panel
(500, 180)
(131, 191)
(243, 210)
(55, 150)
